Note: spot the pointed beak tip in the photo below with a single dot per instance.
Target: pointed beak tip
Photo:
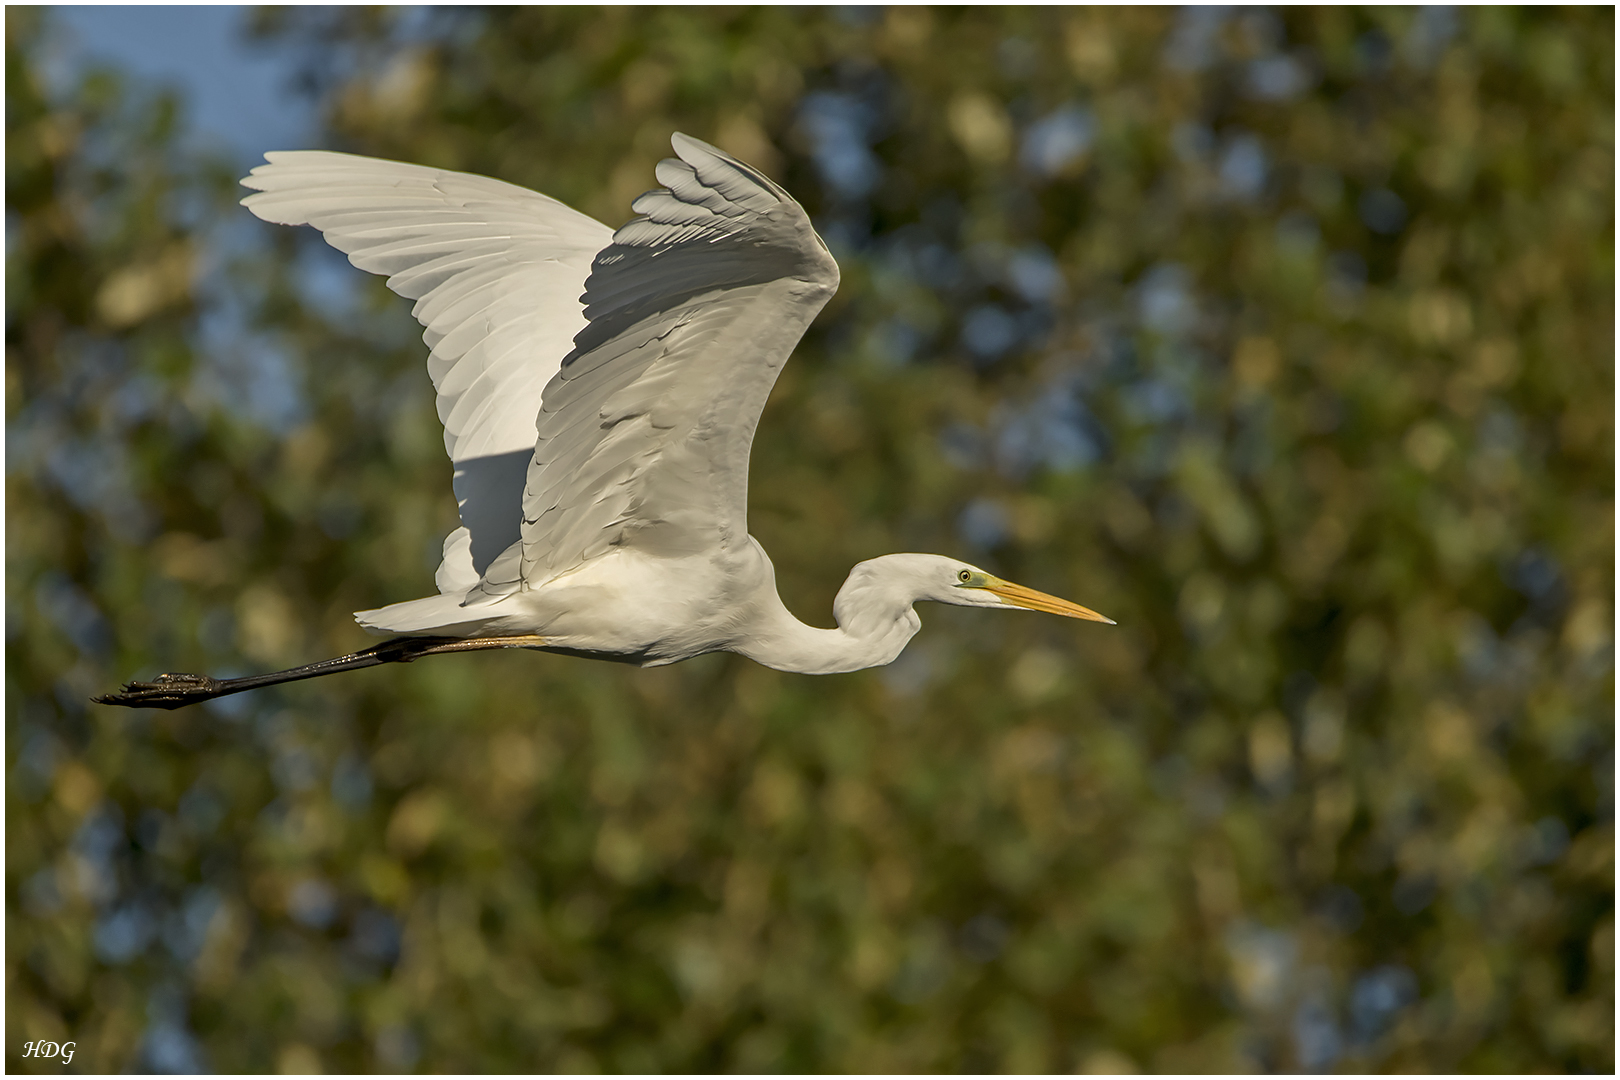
(1020, 596)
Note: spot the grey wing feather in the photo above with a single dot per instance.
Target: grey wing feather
(644, 433)
(496, 272)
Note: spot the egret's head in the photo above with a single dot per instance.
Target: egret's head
(972, 587)
(952, 581)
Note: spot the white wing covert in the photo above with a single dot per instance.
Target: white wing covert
(644, 433)
(496, 272)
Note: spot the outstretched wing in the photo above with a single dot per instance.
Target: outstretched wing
(645, 432)
(496, 272)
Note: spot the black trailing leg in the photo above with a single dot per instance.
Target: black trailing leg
(175, 691)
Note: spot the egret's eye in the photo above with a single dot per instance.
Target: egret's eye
(965, 576)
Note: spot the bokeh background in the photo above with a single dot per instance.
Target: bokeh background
(1284, 337)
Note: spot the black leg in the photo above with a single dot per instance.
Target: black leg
(177, 690)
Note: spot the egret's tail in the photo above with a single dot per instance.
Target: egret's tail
(433, 616)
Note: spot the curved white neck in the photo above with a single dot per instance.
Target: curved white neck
(875, 621)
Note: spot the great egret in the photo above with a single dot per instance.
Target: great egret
(600, 441)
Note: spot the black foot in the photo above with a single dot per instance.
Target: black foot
(169, 691)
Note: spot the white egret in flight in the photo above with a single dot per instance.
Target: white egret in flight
(599, 392)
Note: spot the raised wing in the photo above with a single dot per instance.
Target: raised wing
(644, 434)
(496, 272)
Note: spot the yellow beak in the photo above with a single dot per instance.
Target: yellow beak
(1039, 601)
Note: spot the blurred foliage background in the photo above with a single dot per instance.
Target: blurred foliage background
(1284, 337)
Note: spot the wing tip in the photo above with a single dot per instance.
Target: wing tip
(277, 160)
(684, 144)
(696, 153)
(282, 160)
